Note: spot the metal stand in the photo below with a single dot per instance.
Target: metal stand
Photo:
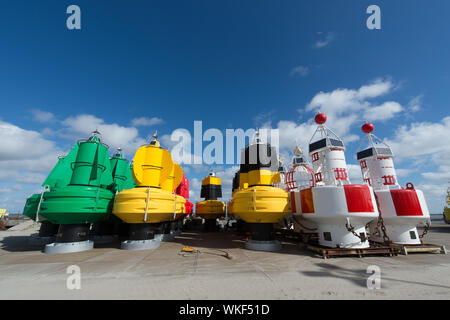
(259, 245)
(141, 237)
(68, 247)
(262, 237)
(70, 238)
(140, 244)
(48, 229)
(210, 225)
(104, 232)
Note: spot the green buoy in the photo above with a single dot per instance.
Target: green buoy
(79, 192)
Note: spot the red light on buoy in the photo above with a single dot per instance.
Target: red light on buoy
(320, 118)
(367, 127)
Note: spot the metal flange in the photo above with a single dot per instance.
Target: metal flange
(140, 244)
(258, 245)
(68, 247)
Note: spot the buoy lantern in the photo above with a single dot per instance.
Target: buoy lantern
(320, 118)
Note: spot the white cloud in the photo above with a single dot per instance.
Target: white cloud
(18, 144)
(324, 41)
(416, 103)
(383, 112)
(299, 71)
(26, 158)
(42, 116)
(113, 134)
(354, 173)
(421, 138)
(344, 100)
(403, 172)
(195, 186)
(8, 175)
(144, 121)
(435, 195)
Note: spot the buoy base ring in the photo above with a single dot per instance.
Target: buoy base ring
(68, 247)
(135, 245)
(258, 245)
(166, 236)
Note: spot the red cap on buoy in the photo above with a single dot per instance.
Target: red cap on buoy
(367, 127)
(320, 118)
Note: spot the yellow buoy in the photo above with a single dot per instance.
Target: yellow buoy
(257, 201)
(210, 209)
(156, 177)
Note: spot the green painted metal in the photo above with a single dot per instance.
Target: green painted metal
(59, 177)
(121, 169)
(88, 197)
(77, 204)
(62, 172)
(31, 206)
(92, 166)
(82, 185)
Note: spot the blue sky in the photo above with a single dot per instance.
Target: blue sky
(231, 64)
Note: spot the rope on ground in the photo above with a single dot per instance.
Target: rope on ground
(188, 252)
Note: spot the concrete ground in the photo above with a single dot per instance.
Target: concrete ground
(110, 273)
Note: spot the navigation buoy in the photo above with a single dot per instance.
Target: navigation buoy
(257, 201)
(324, 198)
(401, 209)
(80, 192)
(153, 207)
(210, 209)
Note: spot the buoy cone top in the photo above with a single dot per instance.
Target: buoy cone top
(367, 127)
(320, 118)
(119, 153)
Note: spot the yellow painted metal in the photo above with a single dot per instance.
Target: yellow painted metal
(130, 205)
(152, 165)
(276, 178)
(211, 180)
(260, 204)
(447, 213)
(243, 180)
(153, 200)
(3, 213)
(260, 177)
(174, 178)
(210, 209)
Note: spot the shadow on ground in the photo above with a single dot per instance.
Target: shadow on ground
(20, 243)
(359, 277)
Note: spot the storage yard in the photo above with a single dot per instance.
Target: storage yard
(167, 273)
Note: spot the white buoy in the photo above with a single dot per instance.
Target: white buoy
(402, 210)
(323, 197)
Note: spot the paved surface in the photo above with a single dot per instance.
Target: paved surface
(109, 273)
